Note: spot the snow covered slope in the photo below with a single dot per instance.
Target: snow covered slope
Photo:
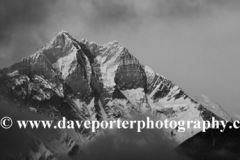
(85, 80)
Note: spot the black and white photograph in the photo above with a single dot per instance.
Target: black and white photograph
(119, 79)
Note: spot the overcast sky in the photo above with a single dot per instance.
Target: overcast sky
(194, 43)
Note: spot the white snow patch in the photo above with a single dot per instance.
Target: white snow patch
(103, 113)
(135, 96)
(91, 110)
(213, 107)
(108, 58)
(67, 64)
(121, 104)
(149, 71)
(14, 73)
(138, 98)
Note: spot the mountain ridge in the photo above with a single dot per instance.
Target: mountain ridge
(87, 81)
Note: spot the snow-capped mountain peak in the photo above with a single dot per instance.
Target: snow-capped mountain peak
(85, 80)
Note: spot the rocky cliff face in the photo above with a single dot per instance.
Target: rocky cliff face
(84, 80)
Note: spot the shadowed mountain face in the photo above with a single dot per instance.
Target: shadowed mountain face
(87, 81)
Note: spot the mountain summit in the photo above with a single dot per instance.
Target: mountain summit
(83, 80)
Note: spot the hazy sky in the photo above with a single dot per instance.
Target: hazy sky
(194, 43)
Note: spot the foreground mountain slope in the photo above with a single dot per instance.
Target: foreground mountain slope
(87, 81)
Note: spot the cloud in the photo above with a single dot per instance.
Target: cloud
(26, 25)
(21, 28)
(115, 144)
(129, 144)
(178, 31)
(113, 11)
